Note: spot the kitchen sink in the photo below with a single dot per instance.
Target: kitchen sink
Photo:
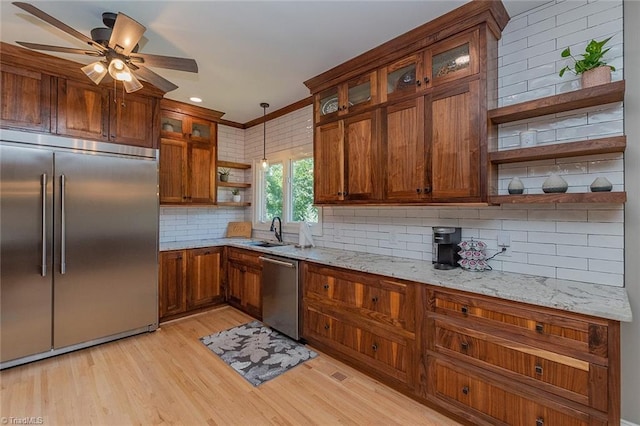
(266, 244)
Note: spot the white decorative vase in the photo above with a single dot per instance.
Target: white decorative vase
(237, 198)
(601, 184)
(515, 186)
(596, 77)
(555, 184)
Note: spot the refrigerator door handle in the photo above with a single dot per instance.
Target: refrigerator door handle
(63, 231)
(43, 183)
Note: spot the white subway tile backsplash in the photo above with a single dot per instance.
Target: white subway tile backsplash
(594, 277)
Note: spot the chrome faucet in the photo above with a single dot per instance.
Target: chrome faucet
(278, 231)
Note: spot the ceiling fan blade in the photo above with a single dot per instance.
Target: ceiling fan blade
(127, 32)
(60, 25)
(37, 46)
(169, 62)
(153, 78)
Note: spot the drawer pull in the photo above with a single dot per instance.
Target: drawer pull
(538, 369)
(539, 421)
(465, 310)
(374, 299)
(326, 286)
(465, 390)
(464, 346)
(374, 347)
(326, 326)
(539, 327)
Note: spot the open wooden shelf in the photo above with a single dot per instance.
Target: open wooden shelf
(582, 197)
(232, 204)
(560, 150)
(233, 165)
(583, 98)
(234, 184)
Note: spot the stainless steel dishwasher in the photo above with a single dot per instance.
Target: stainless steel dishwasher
(280, 295)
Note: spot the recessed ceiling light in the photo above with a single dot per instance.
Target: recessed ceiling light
(195, 99)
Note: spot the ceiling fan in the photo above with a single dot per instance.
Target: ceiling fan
(117, 48)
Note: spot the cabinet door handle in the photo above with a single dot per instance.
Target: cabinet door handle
(326, 326)
(465, 310)
(538, 369)
(539, 327)
(539, 421)
(374, 299)
(207, 252)
(464, 346)
(465, 390)
(374, 347)
(326, 286)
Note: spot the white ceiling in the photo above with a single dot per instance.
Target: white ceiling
(247, 51)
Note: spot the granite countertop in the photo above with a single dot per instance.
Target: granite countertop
(572, 296)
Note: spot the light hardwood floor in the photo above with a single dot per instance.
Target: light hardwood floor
(169, 377)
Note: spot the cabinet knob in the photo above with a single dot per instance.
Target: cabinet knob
(427, 190)
(207, 252)
(345, 193)
(418, 190)
(465, 390)
(418, 83)
(539, 327)
(374, 299)
(374, 347)
(465, 310)
(464, 346)
(339, 193)
(539, 421)
(326, 326)
(538, 369)
(426, 80)
(326, 286)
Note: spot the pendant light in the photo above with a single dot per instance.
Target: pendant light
(265, 163)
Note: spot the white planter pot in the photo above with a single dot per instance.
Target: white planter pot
(237, 198)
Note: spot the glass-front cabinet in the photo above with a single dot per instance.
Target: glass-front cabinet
(180, 126)
(351, 96)
(445, 61)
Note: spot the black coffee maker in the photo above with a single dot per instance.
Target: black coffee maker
(445, 247)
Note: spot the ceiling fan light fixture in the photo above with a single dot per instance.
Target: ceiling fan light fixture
(132, 84)
(95, 71)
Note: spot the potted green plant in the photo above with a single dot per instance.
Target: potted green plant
(224, 174)
(236, 195)
(593, 70)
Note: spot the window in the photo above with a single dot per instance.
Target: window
(286, 190)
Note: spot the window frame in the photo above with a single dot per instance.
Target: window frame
(286, 158)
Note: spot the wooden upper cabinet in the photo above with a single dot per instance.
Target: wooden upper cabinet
(346, 158)
(132, 120)
(328, 162)
(188, 147)
(26, 99)
(406, 169)
(83, 110)
(455, 144)
(351, 96)
(86, 110)
(445, 61)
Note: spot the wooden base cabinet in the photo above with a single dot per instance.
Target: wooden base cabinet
(244, 277)
(363, 319)
(520, 364)
(190, 280)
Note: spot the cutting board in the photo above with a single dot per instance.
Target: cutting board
(239, 229)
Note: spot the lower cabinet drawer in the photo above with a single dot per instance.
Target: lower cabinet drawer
(387, 356)
(565, 376)
(495, 403)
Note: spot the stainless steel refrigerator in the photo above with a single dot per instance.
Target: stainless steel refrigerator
(78, 244)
